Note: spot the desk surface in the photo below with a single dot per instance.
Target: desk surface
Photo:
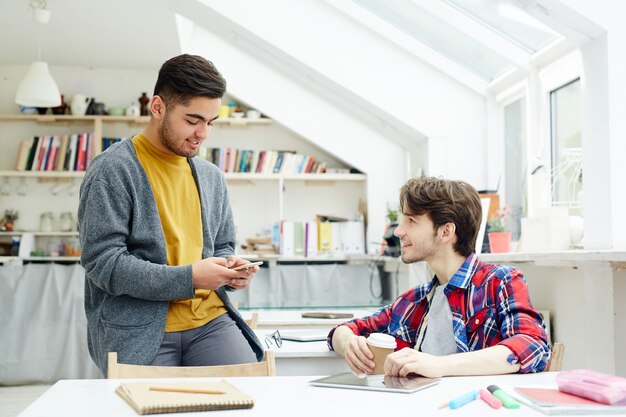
(282, 318)
(291, 349)
(289, 396)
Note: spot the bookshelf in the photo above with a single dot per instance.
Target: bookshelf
(258, 199)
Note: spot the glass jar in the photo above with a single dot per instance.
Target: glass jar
(67, 221)
(45, 221)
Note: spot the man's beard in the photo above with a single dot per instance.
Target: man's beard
(167, 140)
(424, 253)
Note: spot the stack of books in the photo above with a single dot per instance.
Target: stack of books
(57, 153)
(262, 162)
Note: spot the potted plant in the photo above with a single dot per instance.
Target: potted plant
(391, 245)
(499, 238)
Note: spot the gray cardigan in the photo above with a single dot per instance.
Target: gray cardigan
(128, 284)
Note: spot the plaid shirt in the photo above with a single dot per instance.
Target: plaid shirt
(489, 304)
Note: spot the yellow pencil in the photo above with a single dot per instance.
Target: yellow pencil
(187, 390)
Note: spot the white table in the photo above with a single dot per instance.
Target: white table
(299, 358)
(291, 318)
(293, 396)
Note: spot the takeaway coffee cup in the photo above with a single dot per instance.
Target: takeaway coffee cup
(381, 345)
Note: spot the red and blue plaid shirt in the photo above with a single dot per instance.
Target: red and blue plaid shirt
(489, 304)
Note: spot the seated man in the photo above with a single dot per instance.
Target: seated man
(471, 319)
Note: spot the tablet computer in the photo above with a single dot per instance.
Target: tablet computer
(376, 382)
(306, 335)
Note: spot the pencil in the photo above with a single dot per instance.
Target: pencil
(187, 390)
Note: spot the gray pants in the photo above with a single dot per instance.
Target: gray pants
(219, 342)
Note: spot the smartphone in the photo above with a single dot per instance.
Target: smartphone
(245, 266)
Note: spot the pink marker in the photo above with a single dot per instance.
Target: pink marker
(488, 397)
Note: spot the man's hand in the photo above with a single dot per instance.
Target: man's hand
(244, 276)
(355, 350)
(410, 361)
(212, 273)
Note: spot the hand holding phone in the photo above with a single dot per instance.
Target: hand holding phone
(246, 266)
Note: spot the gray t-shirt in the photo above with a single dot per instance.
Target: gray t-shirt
(439, 336)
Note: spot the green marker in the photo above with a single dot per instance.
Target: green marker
(507, 400)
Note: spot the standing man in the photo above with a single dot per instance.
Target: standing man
(158, 236)
(471, 319)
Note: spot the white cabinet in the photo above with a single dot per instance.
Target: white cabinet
(258, 200)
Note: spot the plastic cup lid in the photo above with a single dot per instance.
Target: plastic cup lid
(382, 340)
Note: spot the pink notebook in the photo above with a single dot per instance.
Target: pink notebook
(555, 402)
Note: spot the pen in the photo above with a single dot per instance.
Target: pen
(488, 397)
(187, 390)
(461, 401)
(507, 400)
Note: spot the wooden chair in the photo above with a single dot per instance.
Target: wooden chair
(253, 321)
(267, 367)
(558, 350)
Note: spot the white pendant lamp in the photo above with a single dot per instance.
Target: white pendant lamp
(38, 88)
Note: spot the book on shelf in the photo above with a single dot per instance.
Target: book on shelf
(72, 152)
(155, 397)
(23, 154)
(325, 242)
(287, 238)
(60, 159)
(554, 402)
(299, 241)
(312, 238)
(262, 162)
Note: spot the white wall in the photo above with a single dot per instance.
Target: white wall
(373, 68)
(327, 125)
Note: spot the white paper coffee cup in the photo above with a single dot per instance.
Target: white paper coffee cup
(381, 345)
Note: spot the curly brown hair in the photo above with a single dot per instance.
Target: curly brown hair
(445, 201)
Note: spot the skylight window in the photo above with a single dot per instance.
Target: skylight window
(511, 22)
(439, 35)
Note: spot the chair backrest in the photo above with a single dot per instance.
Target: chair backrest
(253, 321)
(267, 367)
(556, 360)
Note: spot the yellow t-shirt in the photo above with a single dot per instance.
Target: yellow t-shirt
(178, 202)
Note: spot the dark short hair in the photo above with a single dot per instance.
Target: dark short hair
(187, 76)
(445, 201)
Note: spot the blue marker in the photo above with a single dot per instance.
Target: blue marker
(462, 400)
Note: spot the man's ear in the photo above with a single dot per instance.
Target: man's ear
(157, 107)
(448, 231)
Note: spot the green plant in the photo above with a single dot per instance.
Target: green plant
(392, 214)
(498, 222)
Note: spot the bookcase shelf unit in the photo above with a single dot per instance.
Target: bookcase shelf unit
(258, 199)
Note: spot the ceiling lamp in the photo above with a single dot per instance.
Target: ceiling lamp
(38, 88)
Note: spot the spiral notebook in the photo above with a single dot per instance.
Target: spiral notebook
(142, 397)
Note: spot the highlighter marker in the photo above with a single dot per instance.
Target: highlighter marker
(488, 397)
(463, 399)
(507, 400)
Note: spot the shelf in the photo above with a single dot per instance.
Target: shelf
(37, 233)
(294, 177)
(16, 260)
(614, 258)
(52, 118)
(43, 174)
(245, 176)
(51, 258)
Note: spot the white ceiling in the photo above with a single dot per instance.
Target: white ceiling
(137, 34)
